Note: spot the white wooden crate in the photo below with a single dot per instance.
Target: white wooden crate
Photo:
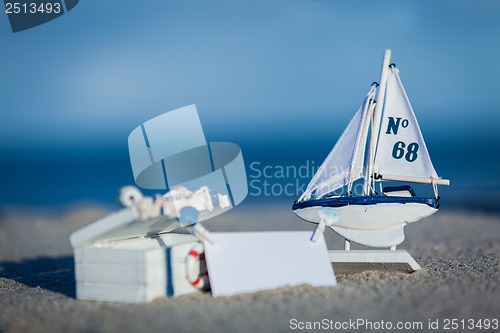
(121, 259)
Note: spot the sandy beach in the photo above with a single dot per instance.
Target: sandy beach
(459, 279)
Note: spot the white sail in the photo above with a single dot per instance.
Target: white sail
(401, 150)
(345, 162)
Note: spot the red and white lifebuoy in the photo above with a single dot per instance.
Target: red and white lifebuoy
(198, 279)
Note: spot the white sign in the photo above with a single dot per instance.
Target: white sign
(244, 262)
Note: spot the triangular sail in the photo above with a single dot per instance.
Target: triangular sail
(401, 150)
(345, 162)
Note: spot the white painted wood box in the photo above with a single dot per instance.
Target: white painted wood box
(120, 258)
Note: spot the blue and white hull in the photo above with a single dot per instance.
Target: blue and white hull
(376, 221)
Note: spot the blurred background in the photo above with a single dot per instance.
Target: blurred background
(280, 78)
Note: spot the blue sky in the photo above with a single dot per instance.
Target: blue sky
(293, 68)
(269, 75)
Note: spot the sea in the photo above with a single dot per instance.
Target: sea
(276, 172)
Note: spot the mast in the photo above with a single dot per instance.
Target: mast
(377, 116)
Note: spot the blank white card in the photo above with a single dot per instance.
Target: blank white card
(243, 262)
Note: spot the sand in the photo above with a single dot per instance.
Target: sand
(458, 252)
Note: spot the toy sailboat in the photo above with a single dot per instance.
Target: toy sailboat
(383, 142)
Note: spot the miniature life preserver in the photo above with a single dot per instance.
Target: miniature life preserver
(198, 279)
